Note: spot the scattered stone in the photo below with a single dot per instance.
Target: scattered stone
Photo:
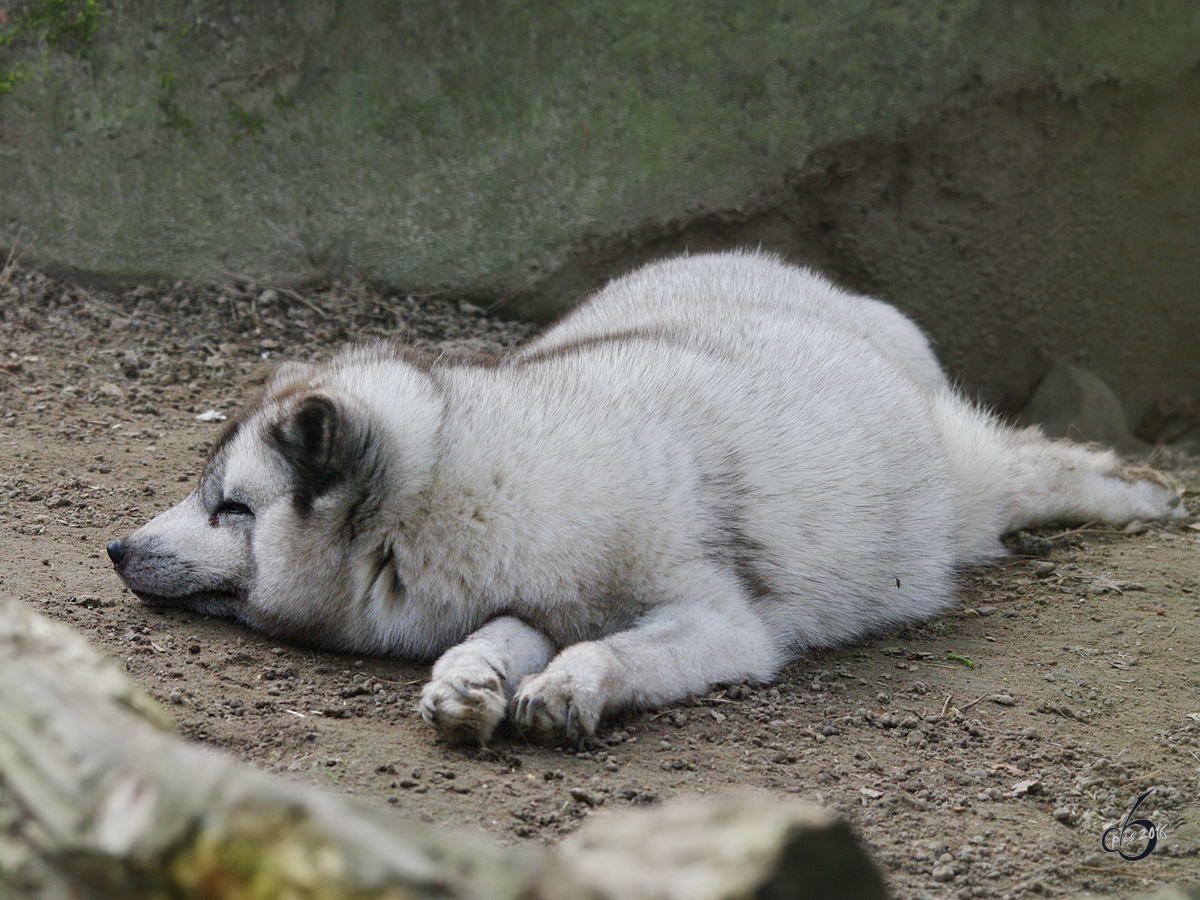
(735, 847)
(1066, 815)
(1025, 544)
(942, 874)
(1028, 786)
(586, 797)
(91, 601)
(1073, 403)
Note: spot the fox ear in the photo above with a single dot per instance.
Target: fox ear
(316, 441)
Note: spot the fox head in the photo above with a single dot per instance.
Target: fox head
(291, 527)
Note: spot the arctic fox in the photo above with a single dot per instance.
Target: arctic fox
(714, 464)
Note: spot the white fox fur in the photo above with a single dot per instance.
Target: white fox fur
(715, 463)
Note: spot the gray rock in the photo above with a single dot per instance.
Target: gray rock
(1074, 403)
(734, 847)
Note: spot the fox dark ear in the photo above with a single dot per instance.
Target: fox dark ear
(316, 441)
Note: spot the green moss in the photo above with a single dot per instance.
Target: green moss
(10, 79)
(68, 25)
(445, 142)
(247, 124)
(173, 114)
(65, 25)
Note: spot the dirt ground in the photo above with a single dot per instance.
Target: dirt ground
(982, 754)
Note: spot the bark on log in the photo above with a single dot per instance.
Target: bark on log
(99, 799)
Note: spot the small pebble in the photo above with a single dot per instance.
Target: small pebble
(1026, 544)
(942, 874)
(1066, 815)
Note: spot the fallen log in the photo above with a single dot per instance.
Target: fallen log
(100, 799)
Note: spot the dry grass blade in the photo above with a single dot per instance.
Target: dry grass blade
(13, 260)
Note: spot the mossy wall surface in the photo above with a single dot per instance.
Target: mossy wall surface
(488, 147)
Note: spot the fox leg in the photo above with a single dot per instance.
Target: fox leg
(676, 649)
(472, 683)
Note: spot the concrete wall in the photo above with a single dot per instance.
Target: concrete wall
(1019, 224)
(1016, 173)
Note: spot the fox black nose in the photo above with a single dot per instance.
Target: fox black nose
(116, 552)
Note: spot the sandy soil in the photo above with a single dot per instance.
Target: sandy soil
(982, 754)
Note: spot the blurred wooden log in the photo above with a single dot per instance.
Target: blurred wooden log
(735, 847)
(99, 799)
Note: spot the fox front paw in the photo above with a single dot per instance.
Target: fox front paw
(465, 705)
(557, 706)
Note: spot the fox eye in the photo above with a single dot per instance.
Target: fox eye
(232, 508)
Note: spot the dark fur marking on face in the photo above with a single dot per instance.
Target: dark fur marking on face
(309, 441)
(232, 428)
(364, 505)
(325, 446)
(385, 567)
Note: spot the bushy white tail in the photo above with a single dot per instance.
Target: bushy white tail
(1008, 479)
